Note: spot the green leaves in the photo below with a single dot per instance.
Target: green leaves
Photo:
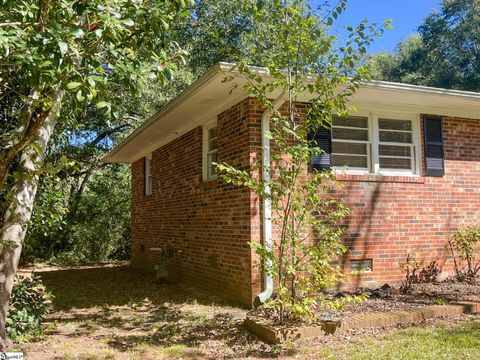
(63, 47)
(78, 40)
(77, 33)
(464, 246)
(101, 104)
(445, 53)
(30, 304)
(128, 22)
(80, 96)
(73, 85)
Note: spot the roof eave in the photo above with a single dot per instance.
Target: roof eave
(164, 110)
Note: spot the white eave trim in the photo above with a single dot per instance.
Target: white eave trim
(419, 89)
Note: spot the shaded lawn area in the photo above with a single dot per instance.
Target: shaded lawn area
(116, 312)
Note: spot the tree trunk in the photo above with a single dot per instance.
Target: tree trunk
(19, 212)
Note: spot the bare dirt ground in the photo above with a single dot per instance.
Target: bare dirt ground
(115, 312)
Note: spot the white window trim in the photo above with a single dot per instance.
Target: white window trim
(148, 175)
(373, 150)
(206, 128)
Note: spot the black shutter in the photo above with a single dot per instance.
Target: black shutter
(433, 131)
(321, 138)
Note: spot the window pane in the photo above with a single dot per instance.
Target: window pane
(394, 136)
(389, 163)
(351, 121)
(351, 161)
(212, 144)
(212, 133)
(395, 124)
(349, 134)
(349, 148)
(393, 150)
(211, 158)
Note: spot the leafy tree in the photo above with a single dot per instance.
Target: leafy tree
(214, 31)
(404, 66)
(446, 53)
(301, 58)
(96, 227)
(56, 58)
(217, 30)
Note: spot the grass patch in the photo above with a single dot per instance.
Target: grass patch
(439, 342)
(106, 354)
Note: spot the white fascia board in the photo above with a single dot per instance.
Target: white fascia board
(385, 85)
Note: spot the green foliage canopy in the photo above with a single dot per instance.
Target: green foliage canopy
(73, 51)
(445, 53)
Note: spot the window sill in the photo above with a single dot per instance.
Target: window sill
(415, 179)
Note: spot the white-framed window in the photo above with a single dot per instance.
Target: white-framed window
(385, 144)
(396, 148)
(351, 143)
(148, 174)
(210, 147)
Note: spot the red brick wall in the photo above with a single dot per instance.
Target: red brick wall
(205, 225)
(398, 214)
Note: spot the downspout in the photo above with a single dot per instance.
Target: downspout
(267, 203)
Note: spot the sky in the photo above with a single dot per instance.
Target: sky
(406, 15)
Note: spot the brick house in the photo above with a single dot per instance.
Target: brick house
(413, 178)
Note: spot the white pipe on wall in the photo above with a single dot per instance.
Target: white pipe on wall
(267, 204)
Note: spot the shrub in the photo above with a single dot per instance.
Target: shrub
(416, 272)
(464, 246)
(29, 304)
(410, 267)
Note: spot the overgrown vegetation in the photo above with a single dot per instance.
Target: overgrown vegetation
(92, 231)
(64, 67)
(30, 303)
(301, 57)
(413, 266)
(465, 249)
(62, 230)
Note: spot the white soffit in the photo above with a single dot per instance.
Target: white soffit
(209, 96)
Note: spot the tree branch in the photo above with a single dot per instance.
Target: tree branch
(30, 133)
(106, 133)
(18, 23)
